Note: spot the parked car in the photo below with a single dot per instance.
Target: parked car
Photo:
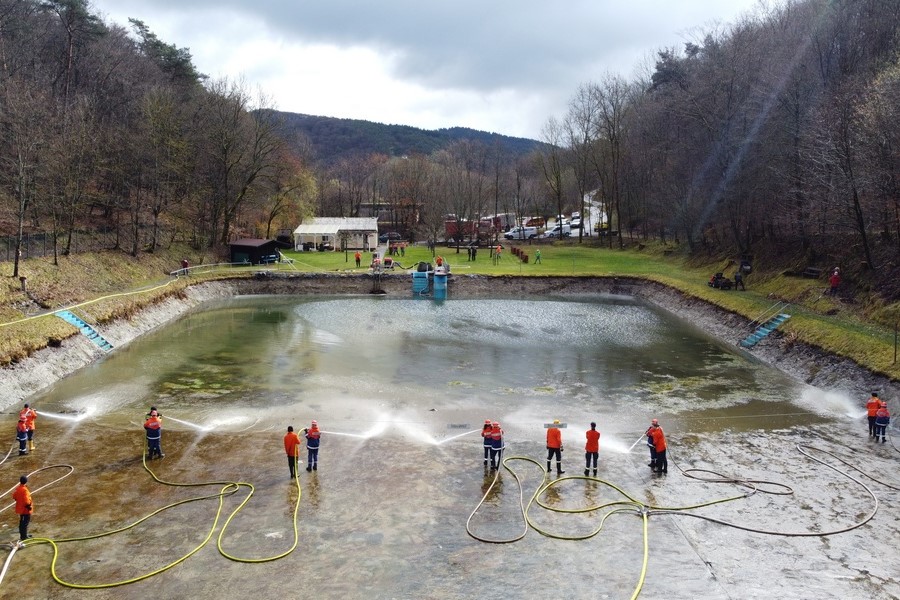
(576, 223)
(390, 236)
(563, 230)
(521, 233)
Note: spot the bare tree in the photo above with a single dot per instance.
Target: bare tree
(241, 146)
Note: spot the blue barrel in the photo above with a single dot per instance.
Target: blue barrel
(440, 286)
(420, 282)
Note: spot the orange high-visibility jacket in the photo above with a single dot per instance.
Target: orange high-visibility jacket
(291, 443)
(593, 441)
(22, 496)
(872, 405)
(554, 438)
(659, 438)
(30, 415)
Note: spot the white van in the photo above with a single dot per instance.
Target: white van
(521, 233)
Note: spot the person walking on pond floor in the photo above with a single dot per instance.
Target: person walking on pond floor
(153, 427)
(486, 440)
(591, 448)
(313, 436)
(496, 445)
(554, 446)
(292, 449)
(24, 507)
(882, 420)
(30, 415)
(872, 407)
(659, 444)
(652, 463)
(22, 436)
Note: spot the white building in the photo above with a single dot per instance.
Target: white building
(360, 233)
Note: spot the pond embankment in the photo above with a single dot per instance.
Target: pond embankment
(801, 361)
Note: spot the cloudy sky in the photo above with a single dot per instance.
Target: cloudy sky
(497, 65)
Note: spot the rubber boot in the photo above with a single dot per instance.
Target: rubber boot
(559, 470)
(595, 472)
(586, 472)
(31, 445)
(548, 466)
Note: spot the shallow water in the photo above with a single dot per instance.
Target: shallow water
(400, 388)
(259, 362)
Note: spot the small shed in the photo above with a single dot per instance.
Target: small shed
(328, 233)
(254, 251)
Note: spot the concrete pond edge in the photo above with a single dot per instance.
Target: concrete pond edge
(800, 361)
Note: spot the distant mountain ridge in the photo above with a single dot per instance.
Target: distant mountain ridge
(333, 138)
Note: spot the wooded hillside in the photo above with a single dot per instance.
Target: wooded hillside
(332, 139)
(775, 136)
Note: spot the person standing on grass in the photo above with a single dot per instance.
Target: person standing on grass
(834, 281)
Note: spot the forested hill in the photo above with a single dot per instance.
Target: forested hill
(332, 139)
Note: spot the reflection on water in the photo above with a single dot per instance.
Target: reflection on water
(367, 364)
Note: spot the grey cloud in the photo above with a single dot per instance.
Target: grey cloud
(466, 44)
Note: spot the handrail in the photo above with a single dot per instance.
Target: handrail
(768, 313)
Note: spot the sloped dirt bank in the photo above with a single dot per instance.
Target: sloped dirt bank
(800, 361)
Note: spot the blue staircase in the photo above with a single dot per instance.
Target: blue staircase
(86, 329)
(764, 330)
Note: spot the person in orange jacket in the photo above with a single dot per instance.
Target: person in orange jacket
(292, 449)
(882, 420)
(872, 407)
(659, 445)
(554, 446)
(30, 415)
(652, 463)
(358, 258)
(496, 445)
(153, 427)
(313, 436)
(24, 507)
(22, 436)
(486, 439)
(591, 448)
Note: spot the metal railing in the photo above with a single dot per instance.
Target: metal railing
(768, 313)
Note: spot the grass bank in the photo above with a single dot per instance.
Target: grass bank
(112, 285)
